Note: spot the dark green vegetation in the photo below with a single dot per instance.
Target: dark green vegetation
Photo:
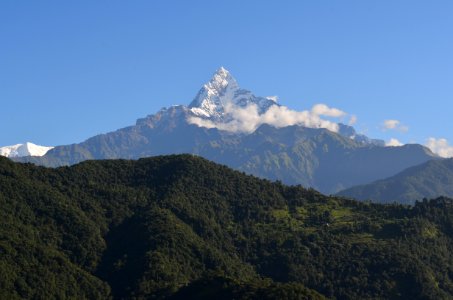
(181, 227)
(429, 180)
(326, 161)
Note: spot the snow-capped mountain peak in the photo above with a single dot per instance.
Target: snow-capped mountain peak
(222, 104)
(222, 78)
(221, 92)
(221, 83)
(215, 94)
(26, 149)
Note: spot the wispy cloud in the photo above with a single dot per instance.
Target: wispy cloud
(352, 120)
(394, 125)
(273, 98)
(247, 119)
(393, 143)
(440, 146)
(324, 110)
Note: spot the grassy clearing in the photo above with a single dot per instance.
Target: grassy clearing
(430, 231)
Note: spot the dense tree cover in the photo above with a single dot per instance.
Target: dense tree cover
(221, 288)
(181, 227)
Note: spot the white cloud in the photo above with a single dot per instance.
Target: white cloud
(273, 98)
(393, 143)
(440, 147)
(394, 125)
(324, 110)
(352, 120)
(391, 124)
(247, 119)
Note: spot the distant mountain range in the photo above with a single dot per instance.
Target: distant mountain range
(230, 125)
(431, 179)
(27, 149)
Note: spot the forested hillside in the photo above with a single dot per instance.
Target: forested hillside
(428, 180)
(181, 227)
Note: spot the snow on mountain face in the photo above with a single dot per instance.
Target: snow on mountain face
(222, 92)
(222, 104)
(27, 149)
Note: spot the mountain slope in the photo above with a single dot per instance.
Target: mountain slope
(180, 226)
(429, 180)
(306, 152)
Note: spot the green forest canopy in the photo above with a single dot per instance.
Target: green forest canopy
(182, 227)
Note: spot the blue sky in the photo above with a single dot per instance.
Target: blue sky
(73, 69)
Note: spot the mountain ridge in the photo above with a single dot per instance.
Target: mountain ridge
(312, 157)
